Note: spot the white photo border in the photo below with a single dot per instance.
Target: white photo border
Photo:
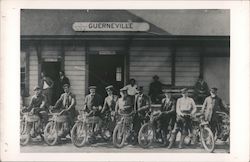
(10, 79)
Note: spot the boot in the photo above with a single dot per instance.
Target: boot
(181, 141)
(172, 140)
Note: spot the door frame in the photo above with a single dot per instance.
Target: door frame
(125, 66)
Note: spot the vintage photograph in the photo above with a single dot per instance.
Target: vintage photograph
(125, 81)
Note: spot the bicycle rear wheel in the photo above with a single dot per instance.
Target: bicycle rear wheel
(207, 139)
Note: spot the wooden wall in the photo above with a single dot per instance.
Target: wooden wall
(187, 66)
(75, 71)
(33, 70)
(145, 62)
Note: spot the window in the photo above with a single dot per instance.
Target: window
(119, 74)
(23, 78)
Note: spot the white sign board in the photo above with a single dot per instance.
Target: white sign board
(110, 26)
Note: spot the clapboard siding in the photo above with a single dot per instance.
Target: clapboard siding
(187, 66)
(75, 70)
(150, 64)
(33, 71)
(145, 62)
(50, 54)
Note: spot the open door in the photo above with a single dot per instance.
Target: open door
(52, 70)
(106, 70)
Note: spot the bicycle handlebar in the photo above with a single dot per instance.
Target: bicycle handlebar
(125, 115)
(57, 113)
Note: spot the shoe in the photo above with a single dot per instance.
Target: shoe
(170, 145)
(180, 146)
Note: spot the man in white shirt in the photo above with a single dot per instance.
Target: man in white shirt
(185, 108)
(131, 87)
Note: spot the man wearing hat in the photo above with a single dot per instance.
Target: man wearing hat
(110, 100)
(155, 89)
(125, 103)
(185, 108)
(38, 102)
(141, 107)
(201, 90)
(212, 104)
(168, 115)
(93, 102)
(67, 101)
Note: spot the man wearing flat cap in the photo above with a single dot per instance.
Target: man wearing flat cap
(212, 104)
(38, 102)
(168, 115)
(185, 108)
(67, 101)
(125, 103)
(141, 106)
(108, 110)
(110, 100)
(93, 102)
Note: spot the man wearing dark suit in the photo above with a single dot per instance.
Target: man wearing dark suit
(62, 81)
(141, 107)
(168, 115)
(93, 102)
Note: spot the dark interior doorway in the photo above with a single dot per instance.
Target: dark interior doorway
(52, 70)
(106, 70)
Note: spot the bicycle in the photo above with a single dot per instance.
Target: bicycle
(85, 129)
(30, 126)
(203, 132)
(123, 129)
(148, 132)
(56, 128)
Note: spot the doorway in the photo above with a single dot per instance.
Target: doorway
(106, 70)
(52, 70)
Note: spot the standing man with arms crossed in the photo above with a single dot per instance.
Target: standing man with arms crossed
(47, 85)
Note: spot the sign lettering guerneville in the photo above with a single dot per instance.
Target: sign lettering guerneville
(110, 26)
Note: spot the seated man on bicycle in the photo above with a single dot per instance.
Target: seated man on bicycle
(185, 108)
(67, 102)
(212, 104)
(38, 104)
(141, 107)
(93, 105)
(109, 103)
(125, 103)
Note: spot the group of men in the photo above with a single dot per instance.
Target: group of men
(132, 99)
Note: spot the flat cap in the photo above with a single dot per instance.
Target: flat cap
(184, 90)
(214, 89)
(109, 87)
(92, 87)
(36, 88)
(66, 85)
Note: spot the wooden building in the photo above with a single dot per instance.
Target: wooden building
(106, 51)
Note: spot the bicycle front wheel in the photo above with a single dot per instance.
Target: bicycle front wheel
(146, 135)
(207, 139)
